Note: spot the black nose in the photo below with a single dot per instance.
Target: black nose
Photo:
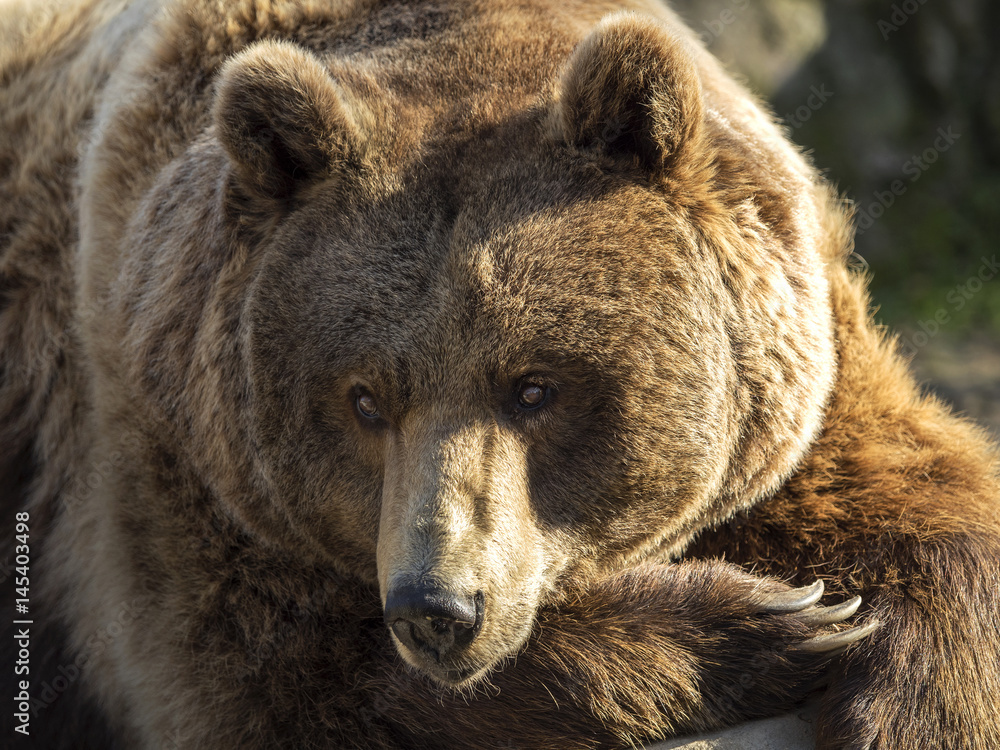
(434, 622)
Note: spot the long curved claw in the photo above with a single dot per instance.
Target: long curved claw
(820, 616)
(794, 600)
(834, 643)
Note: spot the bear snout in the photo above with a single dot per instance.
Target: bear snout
(433, 623)
(461, 564)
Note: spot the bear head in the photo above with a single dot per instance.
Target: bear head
(472, 358)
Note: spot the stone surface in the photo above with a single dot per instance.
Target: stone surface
(790, 732)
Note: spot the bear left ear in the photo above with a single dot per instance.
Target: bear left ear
(283, 120)
(631, 89)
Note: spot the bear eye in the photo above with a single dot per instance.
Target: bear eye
(532, 396)
(366, 405)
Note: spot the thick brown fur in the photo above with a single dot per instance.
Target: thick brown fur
(223, 223)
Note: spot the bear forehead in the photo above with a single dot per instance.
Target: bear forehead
(437, 286)
(520, 255)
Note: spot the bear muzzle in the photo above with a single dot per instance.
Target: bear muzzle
(460, 564)
(435, 625)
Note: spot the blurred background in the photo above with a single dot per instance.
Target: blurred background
(898, 102)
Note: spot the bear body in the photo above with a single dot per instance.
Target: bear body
(391, 375)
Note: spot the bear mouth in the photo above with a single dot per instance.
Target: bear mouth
(428, 662)
(460, 677)
(446, 662)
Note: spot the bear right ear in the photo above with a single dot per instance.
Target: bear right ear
(631, 90)
(283, 120)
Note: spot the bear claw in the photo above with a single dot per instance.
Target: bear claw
(829, 615)
(834, 643)
(793, 600)
(801, 603)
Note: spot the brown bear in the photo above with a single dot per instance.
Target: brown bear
(455, 374)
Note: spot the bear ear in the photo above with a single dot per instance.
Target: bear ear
(631, 89)
(283, 120)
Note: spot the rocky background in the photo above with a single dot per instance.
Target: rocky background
(899, 104)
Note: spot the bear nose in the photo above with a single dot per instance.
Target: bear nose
(431, 621)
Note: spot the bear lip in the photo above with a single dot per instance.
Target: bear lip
(458, 677)
(429, 662)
